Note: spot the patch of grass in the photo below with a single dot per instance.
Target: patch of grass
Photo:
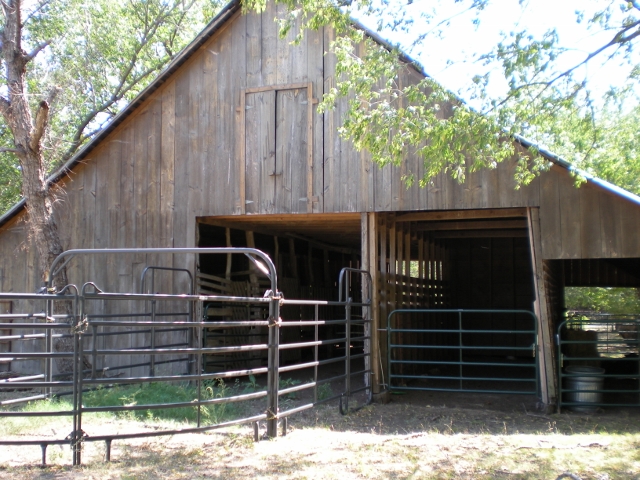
(164, 393)
(148, 394)
(19, 425)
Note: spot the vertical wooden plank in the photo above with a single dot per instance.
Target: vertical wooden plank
(550, 226)
(269, 45)
(167, 178)
(154, 224)
(330, 142)
(629, 228)
(570, 214)
(548, 372)
(365, 264)
(140, 127)
(435, 192)
(85, 234)
(378, 347)
(74, 199)
(181, 172)
(383, 278)
(315, 75)
(610, 226)
(310, 142)
(241, 158)
(227, 98)
(291, 151)
(393, 265)
(260, 151)
(167, 163)
(253, 56)
(252, 162)
(590, 221)
(140, 186)
(197, 125)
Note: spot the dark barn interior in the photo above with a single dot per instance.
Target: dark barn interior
(456, 260)
(308, 253)
(425, 264)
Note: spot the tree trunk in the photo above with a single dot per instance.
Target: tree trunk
(27, 137)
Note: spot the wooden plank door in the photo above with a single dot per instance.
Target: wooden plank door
(278, 173)
(291, 140)
(260, 135)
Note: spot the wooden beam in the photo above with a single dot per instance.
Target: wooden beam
(322, 245)
(365, 264)
(471, 225)
(462, 214)
(516, 233)
(284, 86)
(545, 353)
(372, 235)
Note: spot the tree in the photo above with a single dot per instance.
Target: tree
(605, 146)
(542, 87)
(91, 58)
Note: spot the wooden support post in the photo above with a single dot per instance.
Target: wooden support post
(382, 286)
(371, 238)
(545, 353)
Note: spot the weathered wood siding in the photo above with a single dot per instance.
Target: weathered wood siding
(235, 131)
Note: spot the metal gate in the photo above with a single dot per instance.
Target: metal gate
(456, 350)
(599, 361)
(117, 340)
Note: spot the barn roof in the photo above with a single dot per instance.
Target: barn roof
(216, 23)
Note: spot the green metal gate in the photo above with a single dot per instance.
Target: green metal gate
(457, 350)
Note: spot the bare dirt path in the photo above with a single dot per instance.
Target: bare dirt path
(414, 436)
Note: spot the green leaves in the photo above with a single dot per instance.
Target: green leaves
(102, 54)
(544, 94)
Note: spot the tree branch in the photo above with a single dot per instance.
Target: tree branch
(30, 56)
(10, 150)
(39, 7)
(42, 120)
(5, 108)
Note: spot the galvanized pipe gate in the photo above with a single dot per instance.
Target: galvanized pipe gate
(90, 321)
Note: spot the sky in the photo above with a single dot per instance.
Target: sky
(450, 59)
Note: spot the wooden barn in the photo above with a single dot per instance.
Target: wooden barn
(226, 148)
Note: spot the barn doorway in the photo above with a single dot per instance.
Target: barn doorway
(435, 265)
(599, 361)
(309, 252)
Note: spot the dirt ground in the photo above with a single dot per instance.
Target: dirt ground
(417, 435)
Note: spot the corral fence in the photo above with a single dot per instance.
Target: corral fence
(599, 361)
(463, 350)
(85, 342)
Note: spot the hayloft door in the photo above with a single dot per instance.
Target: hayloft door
(278, 141)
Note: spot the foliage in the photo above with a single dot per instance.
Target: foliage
(603, 300)
(100, 55)
(546, 95)
(605, 146)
